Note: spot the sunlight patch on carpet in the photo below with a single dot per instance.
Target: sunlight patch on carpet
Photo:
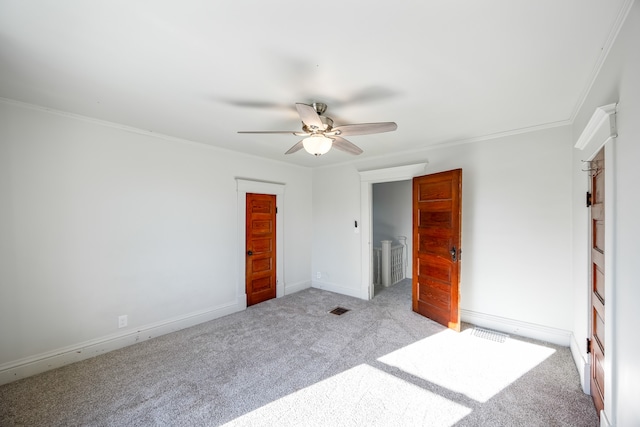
(362, 395)
(464, 363)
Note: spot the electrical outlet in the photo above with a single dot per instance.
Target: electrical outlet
(318, 275)
(122, 321)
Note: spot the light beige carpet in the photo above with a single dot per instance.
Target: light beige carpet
(288, 362)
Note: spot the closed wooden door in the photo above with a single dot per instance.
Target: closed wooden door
(260, 248)
(437, 222)
(597, 341)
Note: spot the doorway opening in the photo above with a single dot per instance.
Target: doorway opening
(391, 230)
(367, 180)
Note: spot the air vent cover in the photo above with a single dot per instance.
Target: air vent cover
(339, 311)
(489, 335)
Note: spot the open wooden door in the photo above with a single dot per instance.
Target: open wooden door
(260, 247)
(437, 226)
(596, 342)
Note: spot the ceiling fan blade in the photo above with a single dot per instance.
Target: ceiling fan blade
(342, 144)
(295, 148)
(366, 128)
(292, 132)
(309, 116)
(371, 94)
(254, 104)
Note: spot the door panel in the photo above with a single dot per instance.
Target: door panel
(597, 284)
(437, 204)
(260, 248)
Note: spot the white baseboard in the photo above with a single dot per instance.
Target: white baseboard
(332, 287)
(26, 367)
(583, 364)
(604, 421)
(517, 327)
(296, 287)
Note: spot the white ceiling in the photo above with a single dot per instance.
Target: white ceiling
(445, 71)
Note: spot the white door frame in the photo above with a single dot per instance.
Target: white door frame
(367, 179)
(601, 131)
(245, 186)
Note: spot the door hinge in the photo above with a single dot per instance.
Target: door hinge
(588, 345)
(276, 209)
(588, 199)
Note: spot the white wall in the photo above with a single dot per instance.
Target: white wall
(392, 215)
(97, 221)
(516, 224)
(617, 81)
(336, 249)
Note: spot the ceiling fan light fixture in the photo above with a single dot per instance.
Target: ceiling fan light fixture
(317, 144)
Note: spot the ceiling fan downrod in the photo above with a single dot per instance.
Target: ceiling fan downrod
(320, 107)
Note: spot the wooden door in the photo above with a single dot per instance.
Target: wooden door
(260, 247)
(597, 340)
(437, 221)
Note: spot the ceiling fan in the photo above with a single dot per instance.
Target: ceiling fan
(320, 135)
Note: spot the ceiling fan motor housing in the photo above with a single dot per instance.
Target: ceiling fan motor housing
(326, 122)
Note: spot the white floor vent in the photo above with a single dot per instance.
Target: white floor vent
(489, 335)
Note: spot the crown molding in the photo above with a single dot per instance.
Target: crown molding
(600, 128)
(604, 53)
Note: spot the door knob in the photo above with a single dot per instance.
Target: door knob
(249, 253)
(453, 254)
